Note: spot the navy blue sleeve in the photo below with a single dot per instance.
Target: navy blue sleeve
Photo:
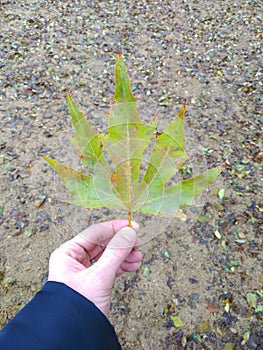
(59, 318)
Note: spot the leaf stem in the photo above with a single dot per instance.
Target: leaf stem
(129, 219)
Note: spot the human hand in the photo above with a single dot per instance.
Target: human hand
(114, 248)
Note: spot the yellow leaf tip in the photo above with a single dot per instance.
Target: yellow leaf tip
(118, 53)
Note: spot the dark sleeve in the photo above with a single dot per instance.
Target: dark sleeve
(59, 318)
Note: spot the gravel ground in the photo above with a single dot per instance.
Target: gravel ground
(209, 53)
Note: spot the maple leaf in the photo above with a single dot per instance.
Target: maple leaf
(111, 162)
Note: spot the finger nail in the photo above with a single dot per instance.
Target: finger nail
(128, 234)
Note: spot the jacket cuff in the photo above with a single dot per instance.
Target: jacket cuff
(58, 317)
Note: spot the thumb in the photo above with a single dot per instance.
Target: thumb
(117, 250)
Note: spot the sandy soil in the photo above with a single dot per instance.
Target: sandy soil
(205, 52)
